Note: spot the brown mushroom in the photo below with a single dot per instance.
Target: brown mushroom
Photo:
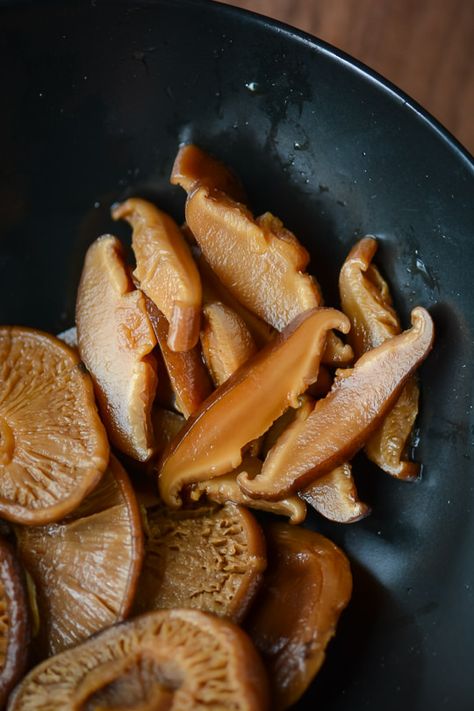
(225, 488)
(245, 406)
(53, 446)
(193, 167)
(307, 585)
(214, 290)
(115, 342)
(170, 659)
(85, 568)
(342, 422)
(226, 341)
(334, 495)
(14, 622)
(189, 379)
(165, 269)
(366, 299)
(210, 558)
(259, 261)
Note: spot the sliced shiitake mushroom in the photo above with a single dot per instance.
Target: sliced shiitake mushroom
(341, 423)
(85, 568)
(334, 495)
(172, 659)
(165, 269)
(259, 261)
(14, 622)
(225, 488)
(210, 558)
(366, 300)
(193, 167)
(53, 446)
(245, 406)
(226, 341)
(116, 342)
(307, 585)
(214, 290)
(188, 376)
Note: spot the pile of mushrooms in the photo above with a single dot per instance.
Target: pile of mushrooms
(209, 380)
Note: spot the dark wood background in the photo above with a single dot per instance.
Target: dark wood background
(426, 47)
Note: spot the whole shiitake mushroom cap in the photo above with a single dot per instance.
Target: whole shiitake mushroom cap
(14, 622)
(85, 568)
(172, 659)
(53, 446)
(210, 558)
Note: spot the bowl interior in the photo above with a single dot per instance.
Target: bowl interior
(95, 103)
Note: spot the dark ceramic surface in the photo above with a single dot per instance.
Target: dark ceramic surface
(96, 97)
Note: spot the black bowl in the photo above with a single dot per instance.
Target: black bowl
(96, 97)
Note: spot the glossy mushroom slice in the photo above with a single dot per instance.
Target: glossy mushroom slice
(226, 341)
(307, 585)
(165, 269)
(14, 622)
(53, 446)
(366, 299)
(188, 376)
(214, 290)
(342, 422)
(259, 261)
(193, 167)
(244, 407)
(334, 495)
(210, 558)
(85, 568)
(172, 659)
(224, 489)
(115, 342)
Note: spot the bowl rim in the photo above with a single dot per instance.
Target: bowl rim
(305, 38)
(350, 62)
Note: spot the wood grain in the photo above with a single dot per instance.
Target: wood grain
(426, 47)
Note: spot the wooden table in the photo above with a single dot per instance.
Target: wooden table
(426, 47)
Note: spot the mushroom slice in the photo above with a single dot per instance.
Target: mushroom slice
(225, 489)
(171, 659)
(244, 407)
(210, 558)
(115, 342)
(226, 341)
(259, 261)
(14, 622)
(189, 379)
(307, 585)
(366, 299)
(53, 446)
(341, 423)
(193, 167)
(334, 496)
(85, 568)
(214, 290)
(165, 269)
